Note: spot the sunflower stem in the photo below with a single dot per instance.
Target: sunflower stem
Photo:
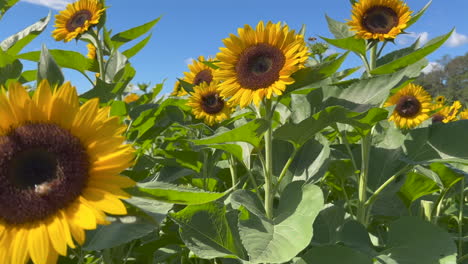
(268, 187)
(285, 168)
(99, 52)
(460, 217)
(365, 151)
(232, 169)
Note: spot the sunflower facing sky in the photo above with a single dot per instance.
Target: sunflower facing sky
(259, 62)
(76, 19)
(379, 19)
(59, 171)
(412, 106)
(207, 104)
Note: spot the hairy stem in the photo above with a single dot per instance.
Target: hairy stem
(268, 187)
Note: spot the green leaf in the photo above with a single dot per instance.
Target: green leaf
(5, 5)
(15, 43)
(335, 254)
(128, 35)
(48, 69)
(351, 43)
(101, 90)
(327, 225)
(210, 231)
(354, 235)
(413, 57)
(418, 15)
(394, 55)
(64, 58)
(338, 29)
(115, 66)
(118, 108)
(170, 193)
(28, 76)
(289, 232)
(448, 176)
(155, 209)
(412, 240)
(312, 75)
(10, 68)
(135, 49)
(300, 133)
(124, 78)
(251, 133)
(416, 186)
(122, 230)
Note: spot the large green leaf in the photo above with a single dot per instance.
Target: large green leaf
(156, 209)
(120, 231)
(327, 225)
(15, 43)
(290, 231)
(170, 193)
(251, 133)
(412, 240)
(48, 69)
(339, 29)
(137, 47)
(413, 57)
(133, 33)
(10, 67)
(357, 45)
(64, 58)
(448, 176)
(210, 231)
(416, 186)
(300, 133)
(335, 254)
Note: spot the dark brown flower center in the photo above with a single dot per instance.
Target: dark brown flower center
(408, 106)
(43, 168)
(212, 103)
(380, 19)
(259, 66)
(437, 118)
(203, 76)
(78, 20)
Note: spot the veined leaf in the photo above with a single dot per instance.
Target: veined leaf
(210, 231)
(349, 43)
(170, 193)
(416, 186)
(64, 58)
(48, 69)
(15, 43)
(339, 29)
(128, 35)
(413, 57)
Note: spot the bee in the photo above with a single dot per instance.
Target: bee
(43, 188)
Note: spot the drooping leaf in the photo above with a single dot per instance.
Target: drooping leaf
(133, 33)
(210, 231)
(171, 193)
(265, 239)
(15, 43)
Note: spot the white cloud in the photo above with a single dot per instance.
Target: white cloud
(410, 38)
(432, 66)
(54, 4)
(457, 39)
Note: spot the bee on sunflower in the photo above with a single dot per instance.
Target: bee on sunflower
(76, 19)
(412, 106)
(59, 171)
(259, 62)
(379, 19)
(208, 104)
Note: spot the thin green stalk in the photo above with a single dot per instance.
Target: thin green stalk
(373, 197)
(366, 64)
(373, 57)
(129, 251)
(381, 49)
(348, 148)
(205, 170)
(462, 258)
(362, 195)
(87, 77)
(233, 170)
(460, 217)
(268, 187)
(254, 183)
(285, 168)
(99, 53)
(348, 204)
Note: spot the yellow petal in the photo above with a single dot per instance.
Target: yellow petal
(57, 234)
(38, 243)
(19, 249)
(104, 201)
(79, 214)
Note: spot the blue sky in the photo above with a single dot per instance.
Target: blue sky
(188, 29)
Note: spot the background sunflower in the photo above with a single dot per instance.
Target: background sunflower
(379, 19)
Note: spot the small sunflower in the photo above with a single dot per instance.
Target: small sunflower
(412, 106)
(440, 100)
(379, 19)
(178, 90)
(91, 51)
(447, 113)
(259, 63)
(59, 166)
(132, 97)
(199, 72)
(76, 19)
(464, 114)
(208, 104)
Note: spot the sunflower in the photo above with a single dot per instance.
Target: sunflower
(178, 90)
(91, 51)
(259, 63)
(446, 113)
(132, 97)
(199, 72)
(208, 104)
(464, 114)
(76, 19)
(379, 19)
(440, 100)
(412, 106)
(59, 166)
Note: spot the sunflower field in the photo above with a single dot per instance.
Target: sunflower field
(267, 152)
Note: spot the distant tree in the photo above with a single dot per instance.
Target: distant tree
(449, 80)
